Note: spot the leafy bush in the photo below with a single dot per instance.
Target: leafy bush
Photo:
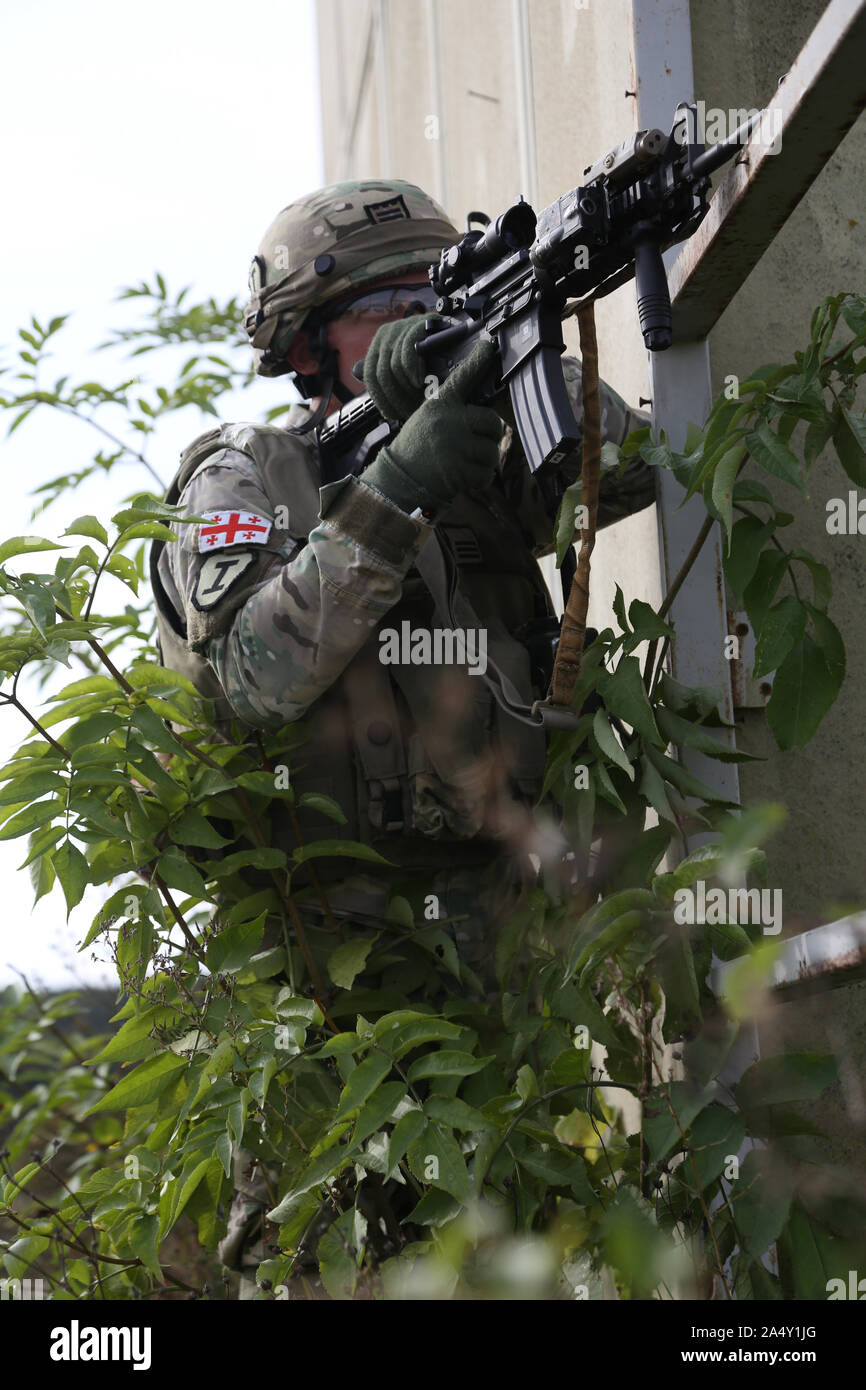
(565, 1137)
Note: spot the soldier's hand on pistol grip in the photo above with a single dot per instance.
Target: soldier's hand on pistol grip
(393, 371)
(445, 447)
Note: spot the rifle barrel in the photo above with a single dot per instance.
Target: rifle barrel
(721, 152)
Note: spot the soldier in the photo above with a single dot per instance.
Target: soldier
(312, 601)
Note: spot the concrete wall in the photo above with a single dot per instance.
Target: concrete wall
(579, 106)
(740, 51)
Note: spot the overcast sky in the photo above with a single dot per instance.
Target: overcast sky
(136, 138)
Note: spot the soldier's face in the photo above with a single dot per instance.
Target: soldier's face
(352, 334)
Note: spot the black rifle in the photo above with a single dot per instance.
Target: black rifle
(511, 280)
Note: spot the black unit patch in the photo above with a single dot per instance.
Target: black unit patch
(464, 544)
(389, 210)
(217, 575)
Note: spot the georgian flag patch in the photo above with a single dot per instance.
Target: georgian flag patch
(232, 528)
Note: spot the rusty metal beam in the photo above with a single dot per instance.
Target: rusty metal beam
(826, 957)
(816, 104)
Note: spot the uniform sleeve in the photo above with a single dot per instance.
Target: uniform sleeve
(277, 649)
(619, 496)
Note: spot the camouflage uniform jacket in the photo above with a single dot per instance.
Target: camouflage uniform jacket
(283, 625)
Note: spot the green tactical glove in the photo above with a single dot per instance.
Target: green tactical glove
(445, 447)
(393, 372)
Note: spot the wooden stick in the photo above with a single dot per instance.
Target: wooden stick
(573, 631)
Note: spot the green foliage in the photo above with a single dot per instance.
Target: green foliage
(562, 1137)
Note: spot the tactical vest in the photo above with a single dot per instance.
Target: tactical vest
(365, 742)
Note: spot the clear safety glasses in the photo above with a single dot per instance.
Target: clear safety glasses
(389, 302)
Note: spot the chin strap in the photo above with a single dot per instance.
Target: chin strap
(330, 386)
(325, 382)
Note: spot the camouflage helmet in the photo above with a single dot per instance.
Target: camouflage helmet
(327, 245)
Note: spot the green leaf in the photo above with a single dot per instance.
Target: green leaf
(761, 588)
(624, 696)
(682, 733)
(822, 584)
(41, 842)
(339, 1044)
(261, 858)
(761, 1199)
(723, 485)
(191, 828)
(804, 688)
(42, 877)
(325, 805)
(849, 438)
(87, 526)
(716, 1134)
(178, 872)
(404, 1134)
(400, 912)
(132, 1043)
(748, 538)
(768, 450)
(560, 1168)
(646, 622)
(143, 1085)
(814, 1259)
(29, 786)
(122, 568)
(660, 1129)
(679, 776)
(362, 1083)
(816, 439)
(653, 788)
(693, 702)
(181, 1189)
(632, 1242)
(439, 1144)
(146, 531)
(452, 1111)
(747, 490)
(569, 1068)
(830, 641)
(19, 1257)
(72, 869)
(349, 960)
(448, 1062)
(790, 1077)
(154, 730)
(25, 545)
(92, 730)
(148, 676)
(607, 744)
(378, 1110)
(335, 1252)
(233, 948)
(343, 849)
(612, 937)
(782, 627)
(416, 1032)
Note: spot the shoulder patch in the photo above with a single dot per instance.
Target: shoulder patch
(231, 528)
(217, 575)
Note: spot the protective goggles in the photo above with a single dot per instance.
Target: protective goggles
(389, 302)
